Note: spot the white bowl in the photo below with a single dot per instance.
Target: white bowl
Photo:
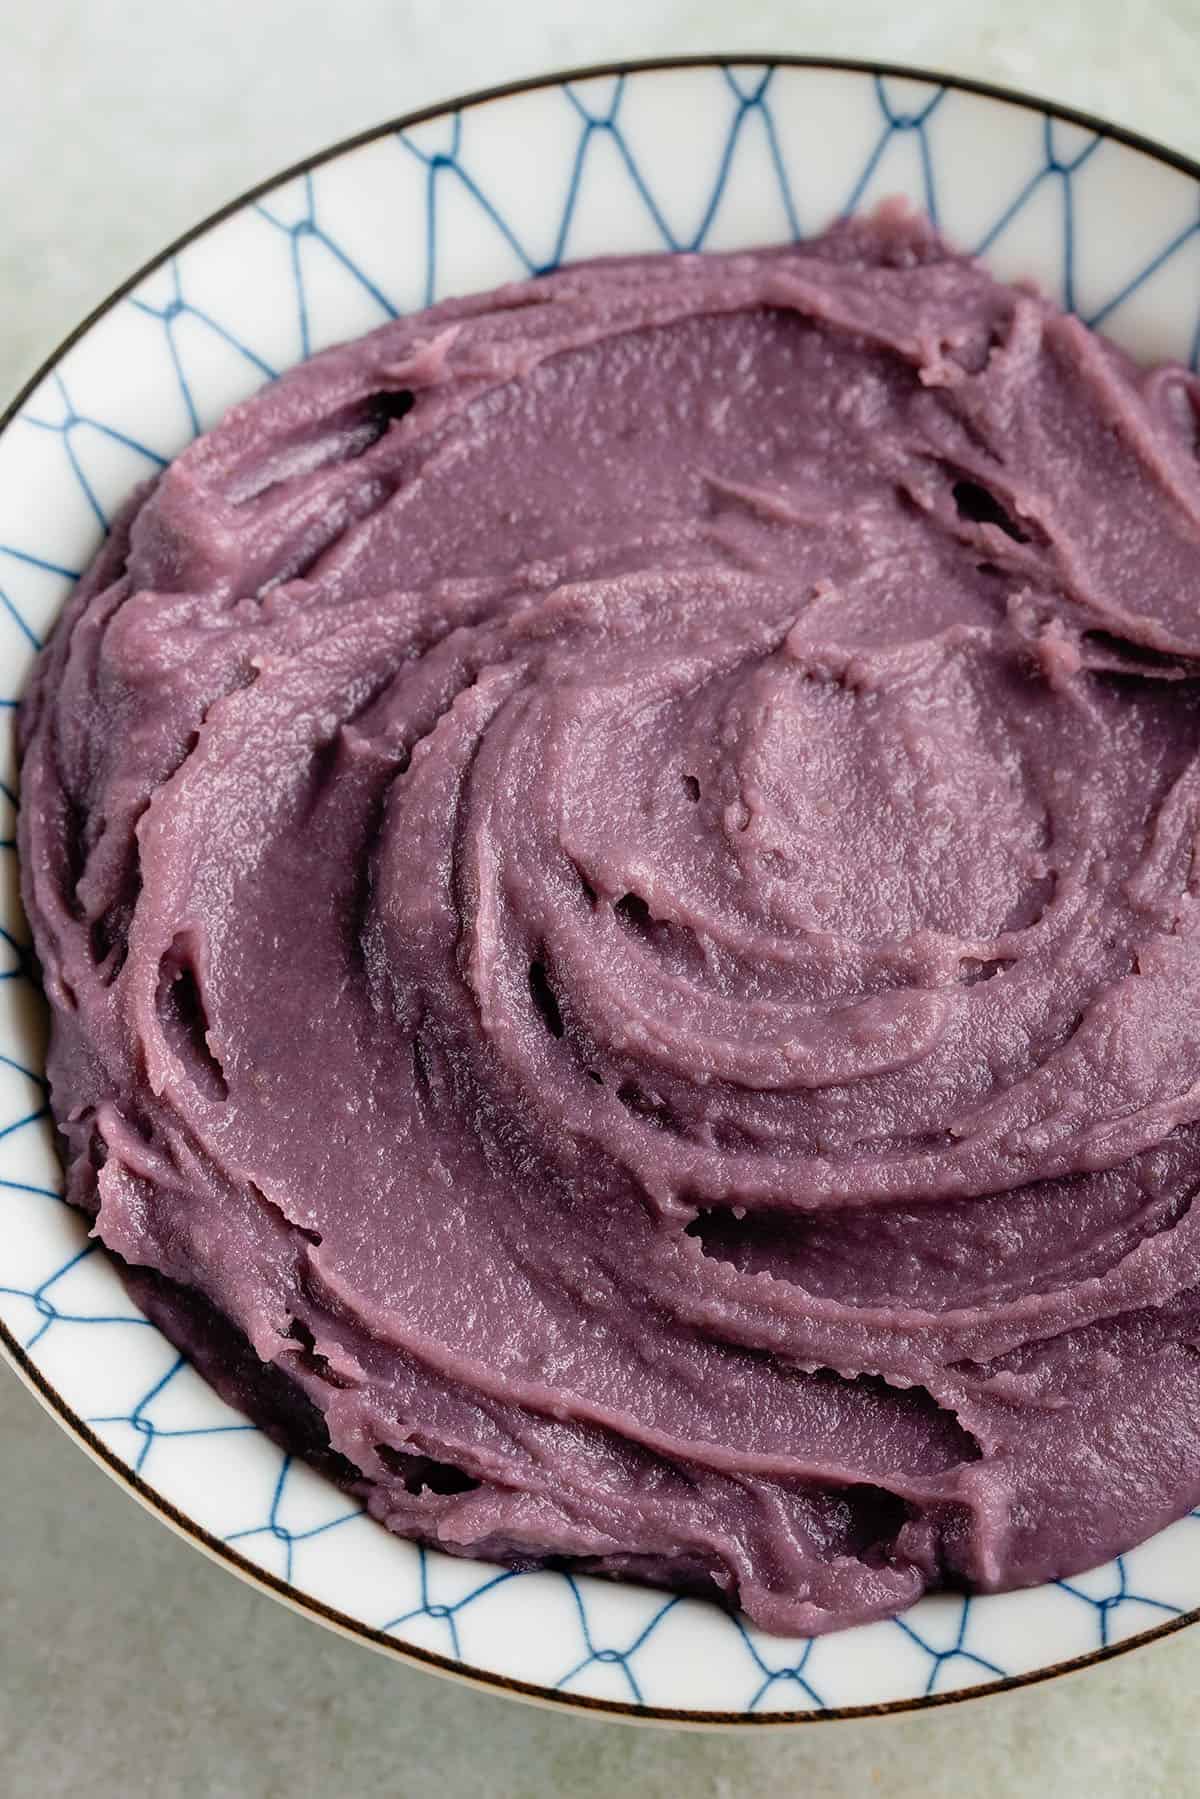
(691, 154)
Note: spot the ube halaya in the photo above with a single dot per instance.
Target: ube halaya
(615, 868)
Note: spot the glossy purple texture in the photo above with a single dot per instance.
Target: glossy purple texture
(614, 865)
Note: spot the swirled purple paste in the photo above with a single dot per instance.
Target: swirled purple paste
(616, 869)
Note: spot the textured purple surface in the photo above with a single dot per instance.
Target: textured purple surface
(614, 865)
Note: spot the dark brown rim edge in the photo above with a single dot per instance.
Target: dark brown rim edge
(12, 1351)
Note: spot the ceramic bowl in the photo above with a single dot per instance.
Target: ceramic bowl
(706, 154)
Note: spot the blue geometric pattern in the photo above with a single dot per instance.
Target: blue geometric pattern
(142, 1424)
(50, 1311)
(894, 121)
(179, 307)
(707, 157)
(281, 1533)
(1116, 1595)
(307, 226)
(70, 424)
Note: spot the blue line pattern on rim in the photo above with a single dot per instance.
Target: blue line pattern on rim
(749, 95)
(787, 1673)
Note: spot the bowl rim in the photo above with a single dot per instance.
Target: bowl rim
(23, 1365)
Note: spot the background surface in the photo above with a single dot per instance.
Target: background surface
(128, 1664)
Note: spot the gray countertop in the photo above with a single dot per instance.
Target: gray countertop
(130, 1665)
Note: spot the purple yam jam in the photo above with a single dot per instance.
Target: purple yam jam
(615, 866)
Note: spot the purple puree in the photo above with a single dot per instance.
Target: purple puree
(615, 865)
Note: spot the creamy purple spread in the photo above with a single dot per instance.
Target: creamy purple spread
(615, 866)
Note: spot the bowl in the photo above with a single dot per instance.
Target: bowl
(692, 154)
